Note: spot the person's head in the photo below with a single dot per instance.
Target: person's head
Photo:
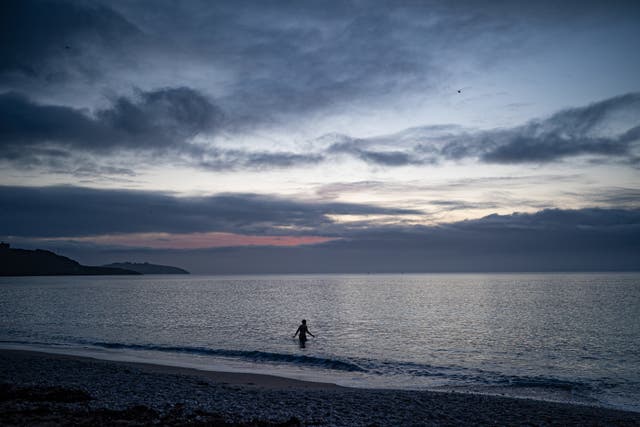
(304, 322)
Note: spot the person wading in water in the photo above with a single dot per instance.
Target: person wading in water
(303, 331)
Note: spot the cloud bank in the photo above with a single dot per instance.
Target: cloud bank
(164, 123)
(549, 240)
(153, 120)
(76, 211)
(605, 129)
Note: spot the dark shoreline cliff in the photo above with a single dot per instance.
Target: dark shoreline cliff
(25, 262)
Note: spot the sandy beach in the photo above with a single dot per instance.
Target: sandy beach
(53, 389)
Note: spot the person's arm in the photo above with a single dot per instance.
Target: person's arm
(298, 330)
(309, 332)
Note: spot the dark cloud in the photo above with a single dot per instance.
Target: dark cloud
(76, 211)
(387, 158)
(291, 58)
(609, 128)
(338, 189)
(357, 149)
(568, 133)
(556, 220)
(219, 159)
(59, 161)
(617, 196)
(161, 118)
(549, 240)
(58, 40)
(589, 130)
(166, 120)
(24, 123)
(523, 148)
(454, 205)
(262, 159)
(275, 59)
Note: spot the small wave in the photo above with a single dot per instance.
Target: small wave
(254, 356)
(452, 374)
(544, 382)
(476, 376)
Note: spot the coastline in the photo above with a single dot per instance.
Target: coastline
(140, 393)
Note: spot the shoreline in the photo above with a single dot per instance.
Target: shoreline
(270, 378)
(219, 398)
(232, 378)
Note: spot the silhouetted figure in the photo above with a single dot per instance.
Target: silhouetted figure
(303, 331)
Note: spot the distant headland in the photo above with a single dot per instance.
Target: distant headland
(146, 268)
(39, 262)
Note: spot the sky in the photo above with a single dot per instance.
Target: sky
(337, 136)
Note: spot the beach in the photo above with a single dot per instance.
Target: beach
(53, 389)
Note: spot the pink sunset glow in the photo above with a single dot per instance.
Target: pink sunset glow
(198, 240)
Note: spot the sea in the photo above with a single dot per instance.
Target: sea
(568, 337)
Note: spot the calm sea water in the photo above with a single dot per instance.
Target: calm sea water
(569, 337)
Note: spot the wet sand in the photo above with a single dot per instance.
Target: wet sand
(52, 389)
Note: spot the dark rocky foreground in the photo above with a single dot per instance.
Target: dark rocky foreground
(43, 389)
(64, 406)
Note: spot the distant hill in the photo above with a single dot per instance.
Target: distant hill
(146, 268)
(24, 262)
